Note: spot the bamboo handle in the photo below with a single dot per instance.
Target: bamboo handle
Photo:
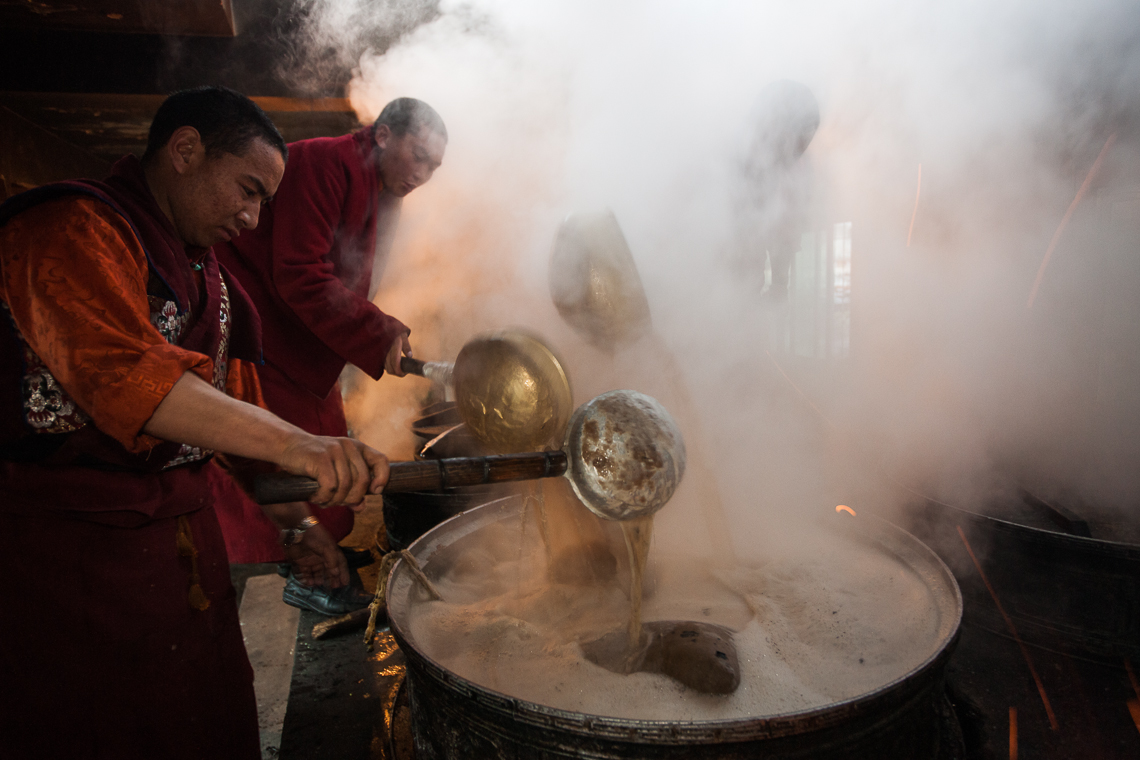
(434, 475)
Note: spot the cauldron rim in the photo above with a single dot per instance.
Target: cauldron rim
(900, 690)
(1123, 549)
(1089, 582)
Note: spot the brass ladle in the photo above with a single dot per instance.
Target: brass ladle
(594, 282)
(622, 453)
(510, 390)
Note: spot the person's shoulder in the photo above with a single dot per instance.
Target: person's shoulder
(339, 162)
(70, 222)
(69, 211)
(326, 146)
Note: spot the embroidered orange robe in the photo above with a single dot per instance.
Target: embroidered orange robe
(102, 653)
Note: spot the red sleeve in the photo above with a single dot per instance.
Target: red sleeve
(307, 211)
(74, 276)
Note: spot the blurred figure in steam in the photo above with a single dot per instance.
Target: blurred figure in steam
(777, 184)
(309, 269)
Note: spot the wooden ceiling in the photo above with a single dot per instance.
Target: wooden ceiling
(109, 125)
(80, 80)
(209, 18)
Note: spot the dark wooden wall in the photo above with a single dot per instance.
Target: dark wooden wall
(78, 88)
(199, 17)
(31, 155)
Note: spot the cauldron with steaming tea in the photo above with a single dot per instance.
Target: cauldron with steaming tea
(455, 718)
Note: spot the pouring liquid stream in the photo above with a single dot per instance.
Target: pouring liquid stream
(638, 533)
(535, 497)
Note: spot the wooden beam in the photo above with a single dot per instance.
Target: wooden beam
(83, 101)
(294, 105)
(31, 156)
(109, 102)
(111, 125)
(206, 18)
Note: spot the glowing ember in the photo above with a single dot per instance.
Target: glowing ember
(1013, 733)
(845, 508)
(1065, 219)
(1013, 631)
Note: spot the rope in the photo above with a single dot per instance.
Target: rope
(380, 600)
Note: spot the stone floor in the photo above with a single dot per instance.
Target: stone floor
(342, 697)
(270, 630)
(317, 699)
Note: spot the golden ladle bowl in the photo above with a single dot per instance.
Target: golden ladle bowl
(594, 282)
(512, 393)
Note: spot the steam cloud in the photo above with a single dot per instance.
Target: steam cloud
(952, 386)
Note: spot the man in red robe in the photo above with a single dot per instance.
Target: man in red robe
(125, 354)
(308, 268)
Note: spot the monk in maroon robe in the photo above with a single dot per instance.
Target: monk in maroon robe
(308, 268)
(126, 357)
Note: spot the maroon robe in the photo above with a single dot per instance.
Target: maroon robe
(107, 648)
(308, 267)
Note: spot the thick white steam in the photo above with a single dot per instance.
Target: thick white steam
(951, 384)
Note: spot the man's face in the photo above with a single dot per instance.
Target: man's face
(215, 197)
(408, 161)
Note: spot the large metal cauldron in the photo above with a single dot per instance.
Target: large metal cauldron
(407, 516)
(1061, 590)
(456, 719)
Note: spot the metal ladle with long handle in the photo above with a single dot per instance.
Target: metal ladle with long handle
(510, 390)
(622, 453)
(594, 281)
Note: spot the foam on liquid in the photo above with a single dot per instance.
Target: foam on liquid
(810, 630)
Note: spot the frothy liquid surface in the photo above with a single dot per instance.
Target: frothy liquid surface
(810, 631)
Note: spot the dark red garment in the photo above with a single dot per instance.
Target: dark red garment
(101, 656)
(106, 647)
(250, 537)
(308, 267)
(308, 263)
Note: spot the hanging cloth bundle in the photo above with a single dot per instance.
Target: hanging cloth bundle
(186, 548)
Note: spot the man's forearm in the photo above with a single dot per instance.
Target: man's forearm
(197, 414)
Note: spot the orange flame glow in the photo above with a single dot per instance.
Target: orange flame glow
(1065, 219)
(1013, 733)
(845, 508)
(1009, 624)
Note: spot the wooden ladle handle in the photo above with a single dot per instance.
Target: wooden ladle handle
(432, 475)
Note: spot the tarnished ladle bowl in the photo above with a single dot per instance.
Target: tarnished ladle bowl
(626, 455)
(594, 281)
